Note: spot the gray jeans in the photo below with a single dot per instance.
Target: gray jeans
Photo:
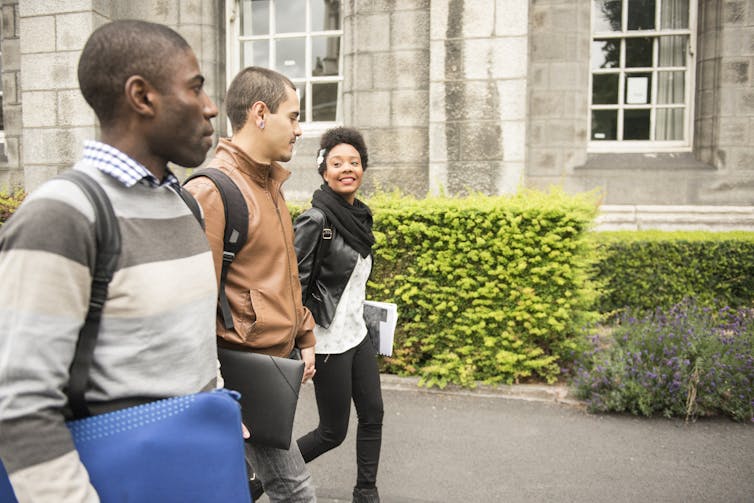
(284, 474)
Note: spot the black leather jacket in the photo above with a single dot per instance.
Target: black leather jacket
(322, 295)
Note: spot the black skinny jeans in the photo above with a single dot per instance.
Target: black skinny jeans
(340, 377)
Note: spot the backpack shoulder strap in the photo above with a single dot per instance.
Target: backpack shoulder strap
(323, 248)
(108, 239)
(196, 210)
(236, 230)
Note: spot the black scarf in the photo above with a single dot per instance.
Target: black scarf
(353, 221)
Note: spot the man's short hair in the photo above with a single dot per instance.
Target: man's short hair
(338, 136)
(119, 50)
(254, 84)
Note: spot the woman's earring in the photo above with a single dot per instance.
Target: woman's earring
(261, 125)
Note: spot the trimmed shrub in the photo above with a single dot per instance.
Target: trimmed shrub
(9, 203)
(490, 289)
(648, 269)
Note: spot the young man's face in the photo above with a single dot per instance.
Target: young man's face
(182, 131)
(282, 128)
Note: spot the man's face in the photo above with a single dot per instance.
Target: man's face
(282, 128)
(182, 132)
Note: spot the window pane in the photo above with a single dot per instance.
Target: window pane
(325, 15)
(604, 124)
(607, 15)
(606, 53)
(290, 15)
(325, 55)
(673, 50)
(255, 17)
(636, 124)
(255, 53)
(674, 14)
(301, 91)
(638, 86)
(671, 88)
(605, 89)
(641, 14)
(669, 124)
(639, 52)
(289, 59)
(324, 101)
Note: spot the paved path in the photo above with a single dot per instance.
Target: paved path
(516, 444)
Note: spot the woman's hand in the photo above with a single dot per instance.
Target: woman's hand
(307, 355)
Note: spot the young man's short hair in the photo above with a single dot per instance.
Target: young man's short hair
(254, 84)
(117, 51)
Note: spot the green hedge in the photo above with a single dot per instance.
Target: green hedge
(650, 269)
(489, 288)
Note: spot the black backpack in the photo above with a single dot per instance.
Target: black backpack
(108, 240)
(236, 227)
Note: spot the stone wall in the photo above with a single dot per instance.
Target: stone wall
(46, 135)
(478, 75)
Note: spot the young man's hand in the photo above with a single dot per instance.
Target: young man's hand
(307, 355)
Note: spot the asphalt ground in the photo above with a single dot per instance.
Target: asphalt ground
(534, 444)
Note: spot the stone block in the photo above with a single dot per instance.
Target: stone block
(438, 20)
(437, 60)
(481, 141)
(363, 68)
(560, 132)
(10, 88)
(539, 75)
(372, 109)
(497, 58)
(437, 99)
(729, 103)
(157, 11)
(73, 30)
(409, 30)
(706, 103)
(741, 159)
(734, 12)
(735, 72)
(438, 178)
(401, 70)
(398, 145)
(733, 131)
(441, 138)
(193, 35)
(511, 18)
(733, 42)
(549, 46)
(510, 178)
(567, 75)
(36, 175)
(471, 100)
(411, 179)
(9, 21)
(40, 109)
(11, 55)
(745, 102)
(27, 8)
(49, 71)
(372, 32)
(477, 21)
(544, 161)
(409, 108)
(12, 121)
(514, 141)
(564, 18)
(73, 110)
(708, 70)
(191, 12)
(453, 59)
(467, 177)
(512, 95)
(37, 34)
(545, 105)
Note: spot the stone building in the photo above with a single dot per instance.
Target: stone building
(650, 101)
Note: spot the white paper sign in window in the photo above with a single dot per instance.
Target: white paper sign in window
(637, 90)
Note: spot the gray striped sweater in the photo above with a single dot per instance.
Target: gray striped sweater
(156, 339)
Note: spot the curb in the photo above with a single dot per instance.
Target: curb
(555, 393)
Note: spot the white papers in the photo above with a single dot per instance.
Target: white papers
(381, 319)
(636, 92)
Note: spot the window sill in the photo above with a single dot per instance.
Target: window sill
(684, 161)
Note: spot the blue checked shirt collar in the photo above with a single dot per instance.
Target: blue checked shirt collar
(115, 163)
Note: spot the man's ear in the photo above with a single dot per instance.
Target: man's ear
(257, 115)
(139, 95)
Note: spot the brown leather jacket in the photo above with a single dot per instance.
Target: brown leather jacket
(263, 288)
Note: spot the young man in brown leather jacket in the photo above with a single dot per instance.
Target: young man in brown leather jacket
(262, 285)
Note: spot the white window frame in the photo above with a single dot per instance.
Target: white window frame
(233, 60)
(628, 146)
